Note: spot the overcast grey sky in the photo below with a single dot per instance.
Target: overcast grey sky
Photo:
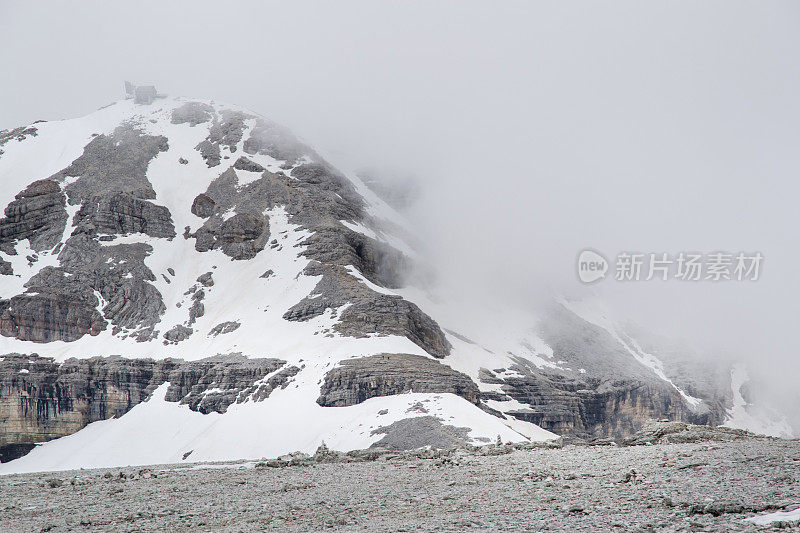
(537, 129)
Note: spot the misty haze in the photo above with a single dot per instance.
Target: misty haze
(399, 266)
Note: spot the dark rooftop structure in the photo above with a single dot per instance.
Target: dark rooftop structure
(141, 94)
(145, 94)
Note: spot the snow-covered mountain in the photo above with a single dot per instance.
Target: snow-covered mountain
(184, 280)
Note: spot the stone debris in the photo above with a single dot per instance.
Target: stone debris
(489, 488)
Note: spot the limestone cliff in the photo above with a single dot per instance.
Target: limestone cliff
(41, 400)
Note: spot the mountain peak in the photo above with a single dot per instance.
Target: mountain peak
(241, 275)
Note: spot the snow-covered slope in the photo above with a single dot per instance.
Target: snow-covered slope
(759, 419)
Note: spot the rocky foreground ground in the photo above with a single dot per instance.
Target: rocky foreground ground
(670, 478)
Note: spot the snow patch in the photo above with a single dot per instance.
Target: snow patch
(740, 416)
(778, 516)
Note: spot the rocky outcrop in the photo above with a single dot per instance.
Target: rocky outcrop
(115, 163)
(223, 328)
(192, 113)
(42, 400)
(61, 303)
(664, 432)
(269, 138)
(614, 396)
(420, 432)
(206, 280)
(49, 317)
(245, 164)
(592, 408)
(240, 237)
(210, 153)
(369, 311)
(122, 213)
(117, 272)
(112, 185)
(357, 380)
(203, 206)
(177, 334)
(17, 134)
(214, 385)
(315, 198)
(38, 214)
(198, 309)
(323, 186)
(227, 131)
(338, 245)
(109, 181)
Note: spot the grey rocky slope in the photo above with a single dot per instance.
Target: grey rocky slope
(613, 397)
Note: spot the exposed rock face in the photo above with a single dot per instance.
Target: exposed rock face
(117, 272)
(655, 432)
(61, 302)
(369, 312)
(17, 134)
(241, 237)
(115, 163)
(237, 381)
(41, 400)
(592, 408)
(317, 198)
(223, 328)
(338, 245)
(192, 113)
(109, 181)
(38, 214)
(269, 138)
(177, 334)
(198, 309)
(49, 317)
(210, 153)
(112, 186)
(245, 164)
(122, 213)
(226, 131)
(242, 227)
(615, 396)
(324, 186)
(203, 206)
(357, 380)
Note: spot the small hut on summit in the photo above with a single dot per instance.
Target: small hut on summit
(144, 94)
(141, 94)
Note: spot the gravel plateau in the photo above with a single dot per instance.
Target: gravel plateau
(693, 479)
